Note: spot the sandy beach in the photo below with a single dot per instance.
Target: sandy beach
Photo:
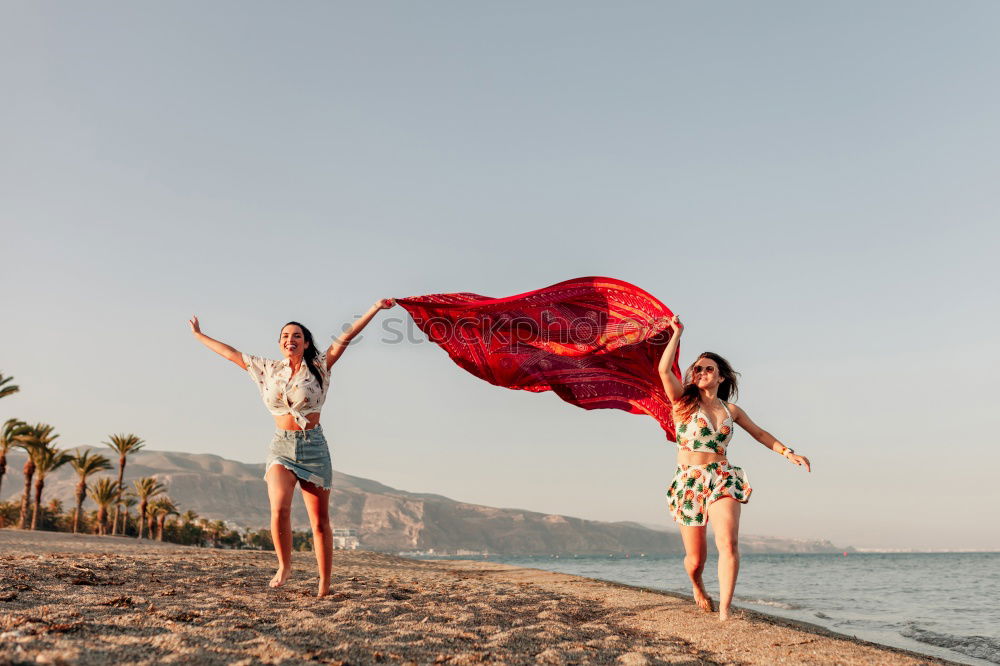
(92, 600)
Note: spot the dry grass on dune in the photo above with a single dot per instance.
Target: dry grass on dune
(86, 600)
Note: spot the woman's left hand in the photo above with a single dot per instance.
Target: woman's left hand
(799, 460)
(385, 303)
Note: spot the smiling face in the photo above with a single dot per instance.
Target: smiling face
(705, 373)
(292, 341)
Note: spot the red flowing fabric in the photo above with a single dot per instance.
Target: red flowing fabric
(594, 341)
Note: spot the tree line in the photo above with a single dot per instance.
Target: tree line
(157, 513)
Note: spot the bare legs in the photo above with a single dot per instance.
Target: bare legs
(724, 515)
(280, 490)
(695, 553)
(318, 507)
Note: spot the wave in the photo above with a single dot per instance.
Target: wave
(774, 604)
(980, 647)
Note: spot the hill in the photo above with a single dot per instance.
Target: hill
(387, 519)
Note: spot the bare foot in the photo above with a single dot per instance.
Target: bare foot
(701, 598)
(280, 578)
(725, 614)
(324, 588)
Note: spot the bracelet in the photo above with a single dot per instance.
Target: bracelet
(786, 451)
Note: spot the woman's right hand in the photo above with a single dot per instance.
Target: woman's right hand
(801, 461)
(193, 323)
(675, 324)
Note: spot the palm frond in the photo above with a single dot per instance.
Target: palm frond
(104, 491)
(6, 388)
(148, 487)
(11, 430)
(86, 462)
(49, 458)
(34, 437)
(125, 444)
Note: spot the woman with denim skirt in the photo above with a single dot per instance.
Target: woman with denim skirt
(294, 390)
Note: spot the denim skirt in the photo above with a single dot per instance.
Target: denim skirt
(304, 453)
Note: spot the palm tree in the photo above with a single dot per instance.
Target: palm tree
(33, 438)
(47, 459)
(218, 530)
(162, 508)
(116, 525)
(151, 512)
(211, 530)
(124, 445)
(127, 502)
(6, 388)
(85, 463)
(104, 493)
(146, 488)
(8, 438)
(189, 528)
(172, 510)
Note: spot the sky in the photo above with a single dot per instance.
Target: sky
(811, 187)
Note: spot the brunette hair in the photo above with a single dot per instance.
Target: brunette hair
(688, 402)
(310, 354)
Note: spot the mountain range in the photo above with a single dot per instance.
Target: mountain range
(387, 519)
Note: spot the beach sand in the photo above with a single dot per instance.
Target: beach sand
(110, 600)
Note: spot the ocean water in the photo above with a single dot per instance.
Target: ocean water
(941, 604)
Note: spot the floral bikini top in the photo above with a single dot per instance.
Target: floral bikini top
(697, 436)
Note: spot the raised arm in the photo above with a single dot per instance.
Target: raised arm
(220, 348)
(671, 384)
(339, 346)
(767, 439)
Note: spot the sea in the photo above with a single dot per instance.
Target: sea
(941, 604)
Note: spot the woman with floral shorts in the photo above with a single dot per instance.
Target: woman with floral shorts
(706, 487)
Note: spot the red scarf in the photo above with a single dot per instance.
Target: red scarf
(595, 341)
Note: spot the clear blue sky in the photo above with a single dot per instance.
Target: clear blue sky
(812, 187)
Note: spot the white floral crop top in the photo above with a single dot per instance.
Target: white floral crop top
(298, 395)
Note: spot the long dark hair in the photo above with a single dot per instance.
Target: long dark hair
(310, 354)
(688, 402)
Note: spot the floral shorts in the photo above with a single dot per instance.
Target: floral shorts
(696, 486)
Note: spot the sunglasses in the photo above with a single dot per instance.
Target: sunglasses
(707, 369)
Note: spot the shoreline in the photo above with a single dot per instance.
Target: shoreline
(81, 599)
(745, 614)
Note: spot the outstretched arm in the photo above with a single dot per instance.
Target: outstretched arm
(671, 384)
(767, 439)
(339, 346)
(220, 348)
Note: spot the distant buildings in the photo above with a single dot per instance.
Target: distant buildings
(430, 552)
(236, 527)
(345, 538)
